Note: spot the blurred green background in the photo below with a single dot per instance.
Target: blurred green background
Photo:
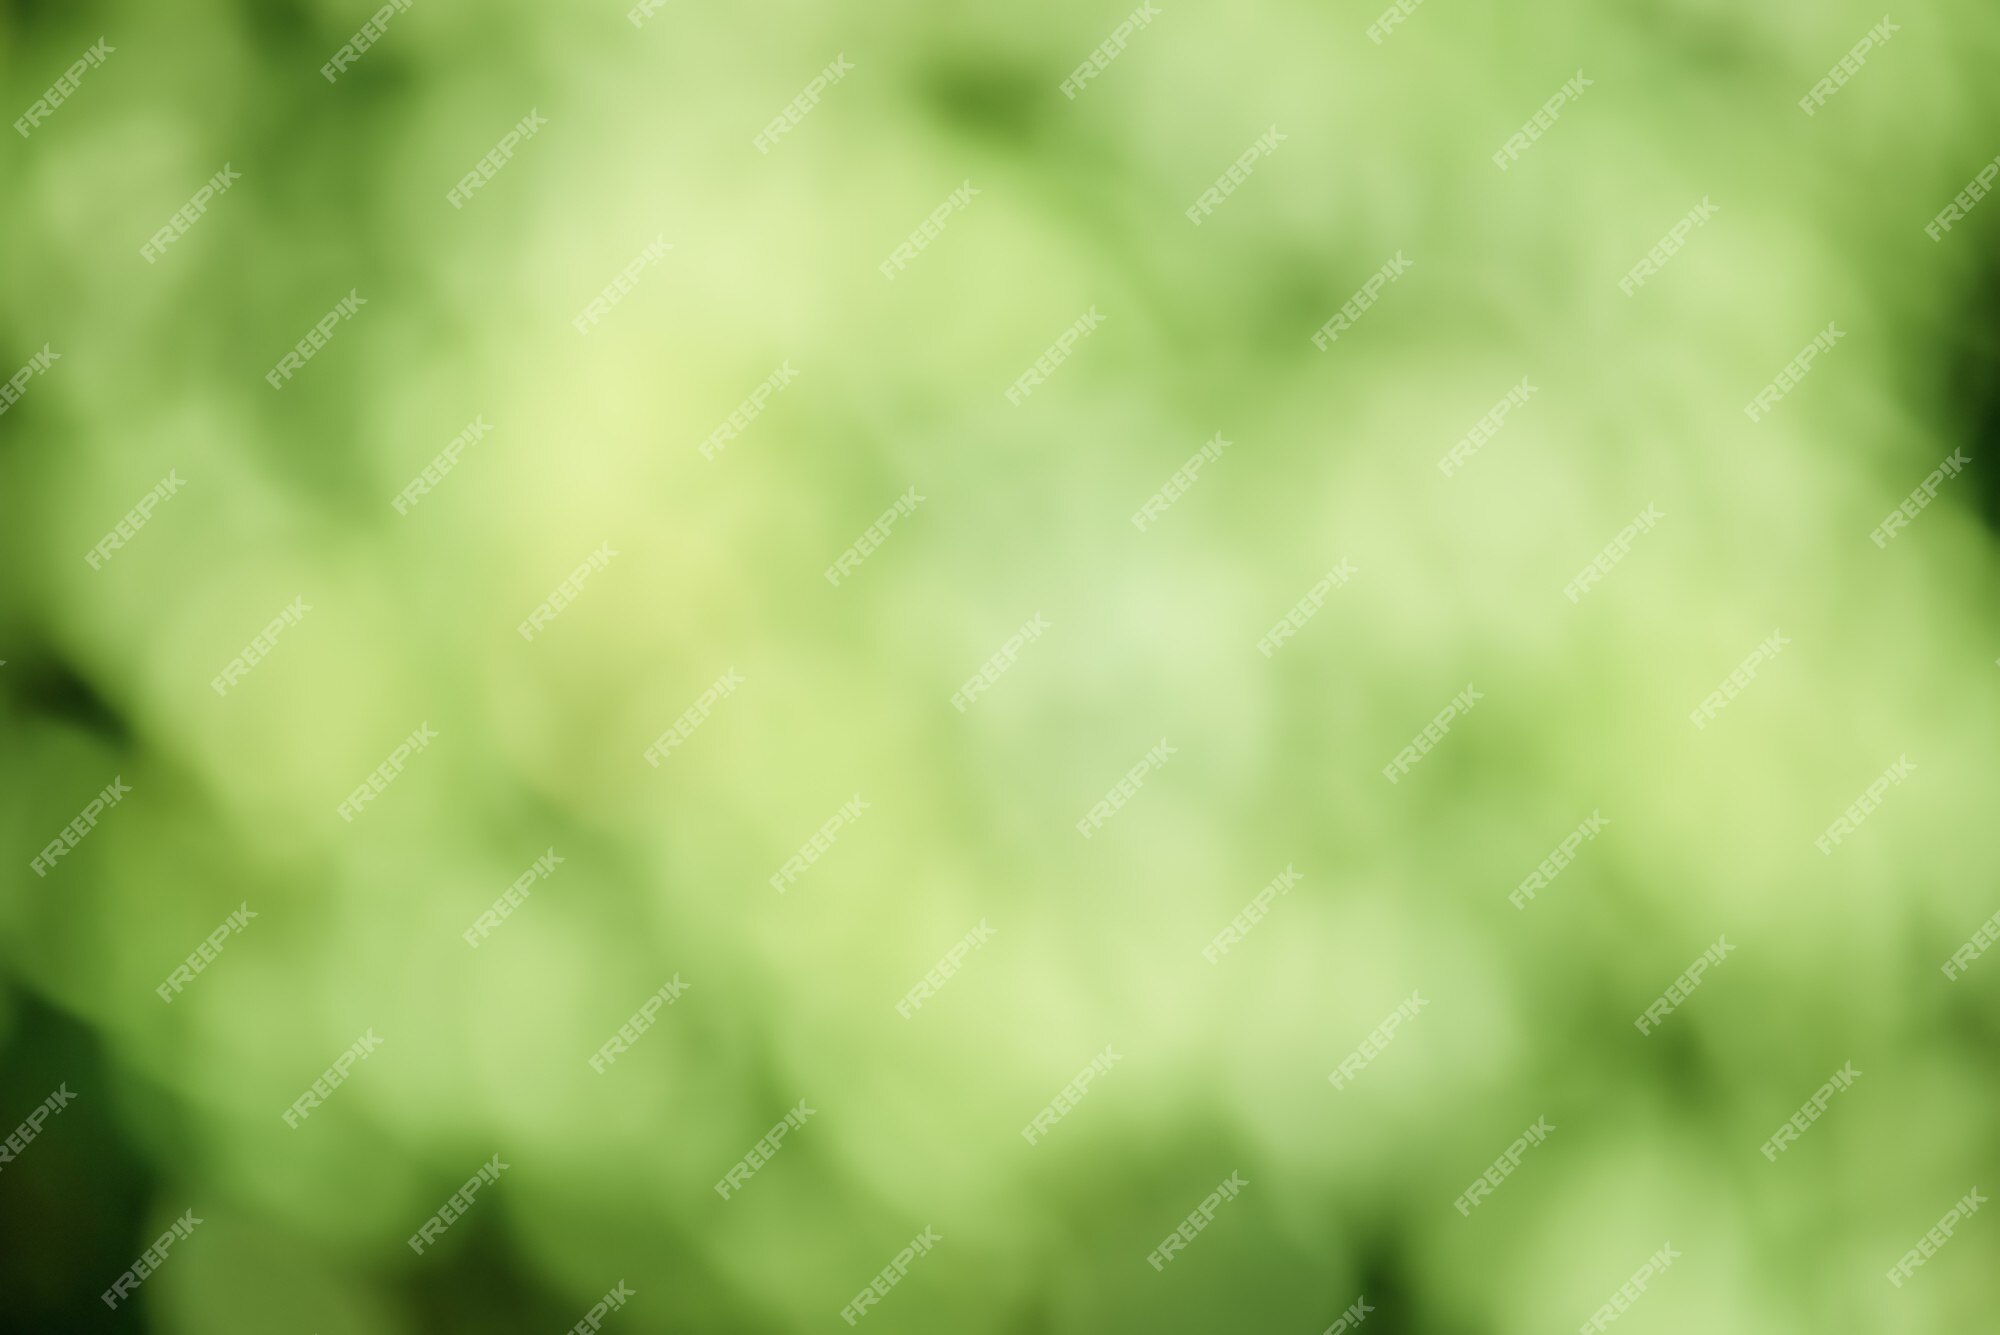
(595, 439)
